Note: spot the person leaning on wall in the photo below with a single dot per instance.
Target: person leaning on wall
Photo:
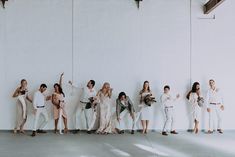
(146, 100)
(21, 93)
(196, 100)
(124, 107)
(215, 106)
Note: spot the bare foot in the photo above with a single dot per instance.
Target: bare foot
(143, 131)
(55, 131)
(22, 131)
(146, 131)
(15, 131)
(65, 130)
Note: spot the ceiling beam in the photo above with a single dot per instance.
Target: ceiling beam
(211, 5)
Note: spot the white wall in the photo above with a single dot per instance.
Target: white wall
(115, 42)
(213, 53)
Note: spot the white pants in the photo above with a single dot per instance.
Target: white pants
(169, 112)
(121, 125)
(19, 118)
(88, 116)
(21, 99)
(216, 113)
(40, 111)
(93, 118)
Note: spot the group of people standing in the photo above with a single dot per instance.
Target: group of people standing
(213, 102)
(39, 106)
(97, 108)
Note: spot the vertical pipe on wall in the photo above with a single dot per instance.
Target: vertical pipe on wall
(190, 41)
(72, 43)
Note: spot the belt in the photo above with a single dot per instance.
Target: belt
(84, 102)
(40, 106)
(215, 103)
(169, 107)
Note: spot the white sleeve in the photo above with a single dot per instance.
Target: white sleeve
(35, 100)
(164, 100)
(207, 99)
(222, 97)
(192, 99)
(95, 93)
(82, 95)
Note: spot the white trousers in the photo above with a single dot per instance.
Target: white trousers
(60, 121)
(21, 99)
(169, 122)
(93, 118)
(215, 114)
(88, 113)
(121, 124)
(19, 116)
(40, 111)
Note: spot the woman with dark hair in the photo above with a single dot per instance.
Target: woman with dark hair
(59, 105)
(124, 106)
(22, 95)
(195, 99)
(145, 109)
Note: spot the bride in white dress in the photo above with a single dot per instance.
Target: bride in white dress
(194, 98)
(145, 110)
(105, 106)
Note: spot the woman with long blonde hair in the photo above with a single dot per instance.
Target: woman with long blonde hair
(104, 99)
(21, 93)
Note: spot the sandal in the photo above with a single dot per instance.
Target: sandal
(65, 130)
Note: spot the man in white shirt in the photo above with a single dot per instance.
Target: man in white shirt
(215, 106)
(168, 104)
(85, 107)
(39, 108)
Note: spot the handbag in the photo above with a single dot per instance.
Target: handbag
(200, 101)
(88, 105)
(149, 100)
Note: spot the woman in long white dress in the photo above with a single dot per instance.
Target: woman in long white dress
(104, 98)
(194, 99)
(21, 93)
(145, 110)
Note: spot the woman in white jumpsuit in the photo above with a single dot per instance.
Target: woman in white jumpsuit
(21, 93)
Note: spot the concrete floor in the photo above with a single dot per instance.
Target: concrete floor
(127, 145)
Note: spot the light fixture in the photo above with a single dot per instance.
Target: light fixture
(138, 3)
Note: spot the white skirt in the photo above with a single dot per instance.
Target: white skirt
(196, 113)
(145, 112)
